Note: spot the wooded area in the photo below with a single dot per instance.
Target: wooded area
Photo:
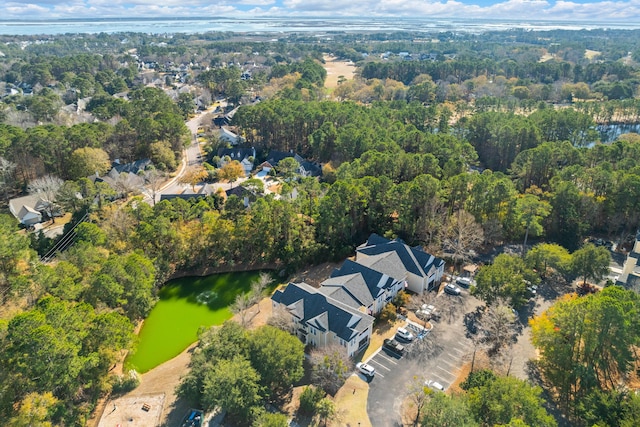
(457, 149)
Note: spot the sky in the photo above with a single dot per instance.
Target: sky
(561, 10)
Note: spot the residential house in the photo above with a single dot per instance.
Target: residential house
(246, 157)
(203, 191)
(361, 287)
(422, 271)
(28, 210)
(228, 136)
(221, 121)
(321, 320)
(306, 167)
(124, 178)
(243, 194)
(630, 276)
(226, 119)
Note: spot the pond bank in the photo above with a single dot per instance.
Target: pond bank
(236, 268)
(185, 305)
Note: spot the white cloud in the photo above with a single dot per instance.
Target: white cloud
(626, 11)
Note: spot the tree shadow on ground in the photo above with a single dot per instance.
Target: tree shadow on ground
(535, 377)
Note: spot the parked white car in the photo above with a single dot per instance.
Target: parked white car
(365, 369)
(404, 335)
(435, 385)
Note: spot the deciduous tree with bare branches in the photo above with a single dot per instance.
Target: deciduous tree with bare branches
(153, 179)
(461, 235)
(281, 319)
(240, 307)
(46, 188)
(258, 288)
(418, 396)
(330, 367)
(498, 325)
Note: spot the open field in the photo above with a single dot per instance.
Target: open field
(336, 68)
(590, 54)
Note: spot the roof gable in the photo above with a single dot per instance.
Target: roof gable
(349, 289)
(321, 311)
(376, 281)
(415, 260)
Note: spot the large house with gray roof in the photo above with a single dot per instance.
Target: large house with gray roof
(421, 271)
(630, 276)
(321, 320)
(29, 210)
(340, 311)
(360, 286)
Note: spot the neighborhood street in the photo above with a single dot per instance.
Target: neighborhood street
(193, 156)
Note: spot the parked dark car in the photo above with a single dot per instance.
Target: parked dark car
(393, 346)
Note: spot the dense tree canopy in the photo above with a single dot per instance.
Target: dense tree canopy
(586, 343)
(472, 142)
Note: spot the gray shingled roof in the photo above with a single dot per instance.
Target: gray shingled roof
(377, 282)
(349, 289)
(388, 263)
(414, 260)
(322, 311)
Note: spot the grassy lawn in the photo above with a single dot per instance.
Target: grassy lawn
(184, 306)
(351, 403)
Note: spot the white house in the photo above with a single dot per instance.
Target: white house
(630, 276)
(321, 320)
(28, 209)
(361, 287)
(421, 271)
(227, 136)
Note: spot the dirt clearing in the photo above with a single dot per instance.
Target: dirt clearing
(133, 411)
(336, 69)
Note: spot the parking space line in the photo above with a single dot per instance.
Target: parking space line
(380, 364)
(378, 374)
(458, 350)
(388, 359)
(440, 379)
(455, 366)
(444, 370)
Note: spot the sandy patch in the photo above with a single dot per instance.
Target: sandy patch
(590, 54)
(133, 411)
(546, 57)
(335, 69)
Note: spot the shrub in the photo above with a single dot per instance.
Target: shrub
(478, 379)
(401, 299)
(309, 399)
(124, 383)
(388, 313)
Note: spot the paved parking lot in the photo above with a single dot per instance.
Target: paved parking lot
(389, 387)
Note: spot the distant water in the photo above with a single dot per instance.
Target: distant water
(610, 133)
(282, 25)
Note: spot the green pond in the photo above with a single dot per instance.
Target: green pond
(184, 306)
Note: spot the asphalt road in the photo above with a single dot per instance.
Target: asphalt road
(390, 386)
(192, 157)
